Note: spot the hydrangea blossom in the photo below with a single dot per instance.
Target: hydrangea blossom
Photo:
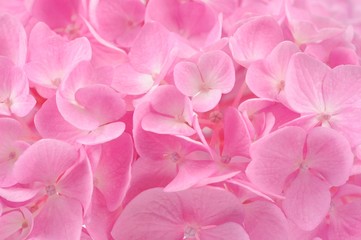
(180, 119)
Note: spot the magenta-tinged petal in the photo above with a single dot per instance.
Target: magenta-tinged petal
(264, 220)
(227, 231)
(255, 39)
(329, 153)
(275, 157)
(112, 175)
(66, 220)
(16, 224)
(217, 71)
(45, 161)
(13, 42)
(304, 79)
(307, 201)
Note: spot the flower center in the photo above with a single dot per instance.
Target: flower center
(50, 190)
(190, 232)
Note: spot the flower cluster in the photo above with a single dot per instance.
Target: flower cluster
(180, 119)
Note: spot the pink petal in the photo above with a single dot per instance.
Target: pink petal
(227, 231)
(66, 220)
(206, 100)
(267, 78)
(275, 157)
(50, 124)
(190, 173)
(248, 42)
(264, 220)
(77, 183)
(100, 220)
(165, 125)
(45, 161)
(151, 50)
(307, 201)
(304, 79)
(129, 81)
(18, 194)
(102, 134)
(329, 153)
(101, 102)
(16, 224)
(345, 221)
(13, 43)
(187, 78)
(341, 88)
(217, 71)
(112, 175)
(153, 214)
(235, 144)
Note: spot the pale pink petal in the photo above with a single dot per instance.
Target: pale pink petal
(206, 100)
(187, 78)
(264, 220)
(23, 105)
(255, 39)
(13, 42)
(151, 50)
(129, 81)
(307, 201)
(342, 88)
(18, 194)
(217, 71)
(112, 175)
(226, 231)
(329, 153)
(304, 79)
(275, 157)
(45, 161)
(16, 224)
(66, 220)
